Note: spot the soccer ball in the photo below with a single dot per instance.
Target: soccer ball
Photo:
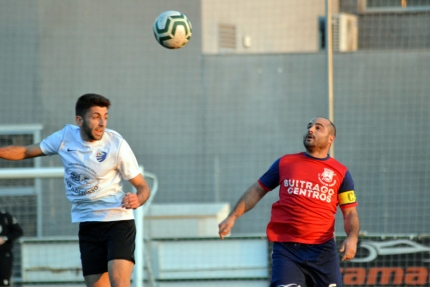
(172, 29)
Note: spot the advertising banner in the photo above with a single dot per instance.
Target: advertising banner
(388, 261)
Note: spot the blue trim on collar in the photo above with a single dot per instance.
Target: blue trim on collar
(317, 158)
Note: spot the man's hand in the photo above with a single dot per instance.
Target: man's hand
(246, 202)
(349, 248)
(130, 201)
(225, 227)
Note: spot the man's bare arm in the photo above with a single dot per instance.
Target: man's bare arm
(14, 152)
(246, 202)
(351, 224)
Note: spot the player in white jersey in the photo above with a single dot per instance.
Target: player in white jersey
(95, 161)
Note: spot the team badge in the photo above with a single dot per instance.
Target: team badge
(101, 156)
(327, 177)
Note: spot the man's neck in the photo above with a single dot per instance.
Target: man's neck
(317, 154)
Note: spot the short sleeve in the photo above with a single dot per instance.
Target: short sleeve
(127, 162)
(270, 179)
(347, 183)
(52, 143)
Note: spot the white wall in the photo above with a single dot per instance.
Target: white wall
(287, 25)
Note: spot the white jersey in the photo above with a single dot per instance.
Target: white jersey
(93, 173)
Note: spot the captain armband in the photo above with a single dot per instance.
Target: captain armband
(346, 197)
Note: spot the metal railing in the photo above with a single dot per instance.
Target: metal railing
(58, 172)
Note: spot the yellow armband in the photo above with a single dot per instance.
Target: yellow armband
(346, 197)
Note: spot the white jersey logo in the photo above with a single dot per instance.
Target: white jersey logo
(81, 180)
(101, 156)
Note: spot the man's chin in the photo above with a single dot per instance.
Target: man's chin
(309, 148)
(98, 136)
(95, 138)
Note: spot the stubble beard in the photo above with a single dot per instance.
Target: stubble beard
(313, 145)
(89, 133)
(308, 146)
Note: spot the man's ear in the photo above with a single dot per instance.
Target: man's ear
(79, 120)
(331, 139)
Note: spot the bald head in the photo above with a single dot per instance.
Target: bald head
(320, 135)
(327, 123)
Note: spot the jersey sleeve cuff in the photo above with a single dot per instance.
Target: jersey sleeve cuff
(349, 205)
(263, 186)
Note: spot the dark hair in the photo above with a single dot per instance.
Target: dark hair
(87, 101)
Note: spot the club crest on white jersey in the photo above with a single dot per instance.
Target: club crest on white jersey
(101, 156)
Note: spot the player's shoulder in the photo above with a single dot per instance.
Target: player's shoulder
(113, 137)
(293, 155)
(69, 132)
(70, 129)
(67, 128)
(113, 134)
(338, 163)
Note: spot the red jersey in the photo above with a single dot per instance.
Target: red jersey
(310, 189)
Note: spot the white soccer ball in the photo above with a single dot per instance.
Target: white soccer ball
(172, 29)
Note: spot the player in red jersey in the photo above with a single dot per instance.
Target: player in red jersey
(311, 187)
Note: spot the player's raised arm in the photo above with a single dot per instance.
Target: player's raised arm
(246, 202)
(14, 152)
